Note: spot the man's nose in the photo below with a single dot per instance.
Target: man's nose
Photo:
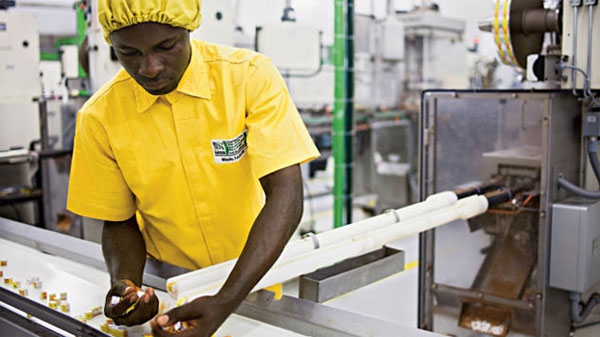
(151, 66)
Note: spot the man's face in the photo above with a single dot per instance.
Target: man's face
(155, 55)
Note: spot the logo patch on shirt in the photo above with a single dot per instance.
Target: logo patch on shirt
(229, 150)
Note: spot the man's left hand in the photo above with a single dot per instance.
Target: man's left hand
(203, 316)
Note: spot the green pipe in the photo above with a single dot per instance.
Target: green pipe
(338, 141)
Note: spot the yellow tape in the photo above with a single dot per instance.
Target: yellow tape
(513, 60)
(497, 31)
(411, 265)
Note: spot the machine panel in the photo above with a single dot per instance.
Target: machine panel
(19, 57)
(575, 253)
(506, 140)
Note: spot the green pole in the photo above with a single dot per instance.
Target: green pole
(81, 34)
(338, 141)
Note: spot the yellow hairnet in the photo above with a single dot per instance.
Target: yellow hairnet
(117, 14)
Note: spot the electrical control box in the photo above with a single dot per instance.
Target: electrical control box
(591, 124)
(575, 245)
(393, 40)
(19, 57)
(291, 46)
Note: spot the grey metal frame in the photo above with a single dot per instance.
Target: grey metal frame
(64, 322)
(23, 327)
(561, 154)
(313, 319)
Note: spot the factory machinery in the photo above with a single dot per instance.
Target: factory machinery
(529, 265)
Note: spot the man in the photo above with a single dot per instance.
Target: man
(191, 156)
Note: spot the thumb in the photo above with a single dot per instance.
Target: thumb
(180, 314)
(163, 320)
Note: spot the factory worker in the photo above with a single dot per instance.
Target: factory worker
(191, 156)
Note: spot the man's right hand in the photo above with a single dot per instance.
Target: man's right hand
(146, 306)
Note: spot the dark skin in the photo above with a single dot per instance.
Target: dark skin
(125, 255)
(156, 56)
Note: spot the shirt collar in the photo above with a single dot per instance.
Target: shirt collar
(194, 82)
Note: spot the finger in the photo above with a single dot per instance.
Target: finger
(183, 313)
(162, 320)
(123, 288)
(157, 330)
(116, 309)
(141, 314)
(195, 332)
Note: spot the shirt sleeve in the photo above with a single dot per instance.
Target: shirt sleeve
(97, 188)
(277, 137)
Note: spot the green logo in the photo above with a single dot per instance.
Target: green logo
(226, 148)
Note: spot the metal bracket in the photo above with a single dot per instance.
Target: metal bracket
(351, 274)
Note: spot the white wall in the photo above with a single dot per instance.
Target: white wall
(320, 13)
(313, 13)
(55, 17)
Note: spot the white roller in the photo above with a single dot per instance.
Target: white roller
(287, 268)
(220, 271)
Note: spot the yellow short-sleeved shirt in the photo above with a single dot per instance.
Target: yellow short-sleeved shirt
(188, 162)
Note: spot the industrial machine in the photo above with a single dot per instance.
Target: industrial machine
(519, 141)
(532, 260)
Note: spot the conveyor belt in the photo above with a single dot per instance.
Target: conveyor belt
(86, 288)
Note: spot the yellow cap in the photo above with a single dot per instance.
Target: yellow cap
(116, 14)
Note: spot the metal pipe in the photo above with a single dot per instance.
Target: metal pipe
(56, 4)
(579, 316)
(338, 141)
(577, 190)
(486, 25)
(389, 8)
(574, 61)
(588, 81)
(593, 154)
